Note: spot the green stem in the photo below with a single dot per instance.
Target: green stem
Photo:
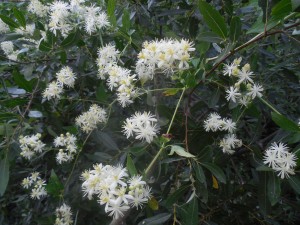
(163, 145)
(269, 105)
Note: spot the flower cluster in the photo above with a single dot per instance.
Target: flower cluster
(64, 77)
(37, 8)
(3, 27)
(141, 125)
(114, 190)
(117, 77)
(244, 89)
(278, 157)
(38, 190)
(214, 123)
(166, 55)
(65, 16)
(30, 145)
(63, 215)
(8, 49)
(67, 153)
(89, 120)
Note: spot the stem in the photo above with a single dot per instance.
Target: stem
(163, 145)
(270, 106)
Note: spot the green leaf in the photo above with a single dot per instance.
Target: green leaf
(156, 220)
(274, 189)
(126, 20)
(180, 151)
(4, 174)
(54, 186)
(295, 4)
(176, 195)
(71, 39)
(21, 81)
(281, 9)
(190, 213)
(284, 123)
(9, 21)
(13, 102)
(111, 6)
(295, 183)
(130, 166)
(8, 116)
(101, 94)
(20, 17)
(171, 91)
(216, 171)
(213, 19)
(262, 193)
(200, 176)
(44, 46)
(235, 28)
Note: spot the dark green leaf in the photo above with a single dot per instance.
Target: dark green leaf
(176, 195)
(216, 171)
(126, 20)
(9, 21)
(235, 28)
(101, 94)
(130, 166)
(200, 176)
(71, 39)
(274, 189)
(44, 46)
(262, 193)
(156, 220)
(295, 4)
(13, 102)
(8, 116)
(21, 81)
(295, 183)
(284, 123)
(281, 9)
(20, 17)
(4, 174)
(213, 19)
(111, 6)
(190, 213)
(54, 186)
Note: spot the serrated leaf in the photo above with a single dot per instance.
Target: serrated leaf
(21, 81)
(180, 151)
(130, 166)
(213, 19)
(9, 21)
(274, 189)
(153, 204)
(4, 174)
(20, 17)
(295, 183)
(284, 123)
(71, 39)
(156, 220)
(235, 28)
(216, 171)
(171, 91)
(126, 20)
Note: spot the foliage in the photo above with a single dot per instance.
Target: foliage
(192, 181)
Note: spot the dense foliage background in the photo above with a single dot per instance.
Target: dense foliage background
(211, 188)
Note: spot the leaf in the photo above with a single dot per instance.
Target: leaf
(21, 81)
(281, 9)
(171, 91)
(130, 166)
(274, 189)
(200, 176)
(262, 193)
(216, 171)
(13, 102)
(235, 28)
(54, 186)
(107, 141)
(44, 46)
(215, 183)
(295, 4)
(295, 183)
(180, 151)
(213, 19)
(8, 116)
(111, 6)
(284, 123)
(101, 93)
(71, 39)
(126, 20)
(4, 174)
(9, 21)
(156, 220)
(190, 215)
(176, 195)
(153, 204)
(20, 17)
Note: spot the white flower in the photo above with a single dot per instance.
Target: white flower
(7, 47)
(245, 75)
(67, 141)
(38, 185)
(229, 125)
(30, 145)
(3, 27)
(230, 142)
(229, 69)
(232, 94)
(141, 125)
(63, 215)
(36, 7)
(255, 90)
(89, 120)
(279, 159)
(66, 77)
(29, 30)
(54, 90)
(213, 122)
